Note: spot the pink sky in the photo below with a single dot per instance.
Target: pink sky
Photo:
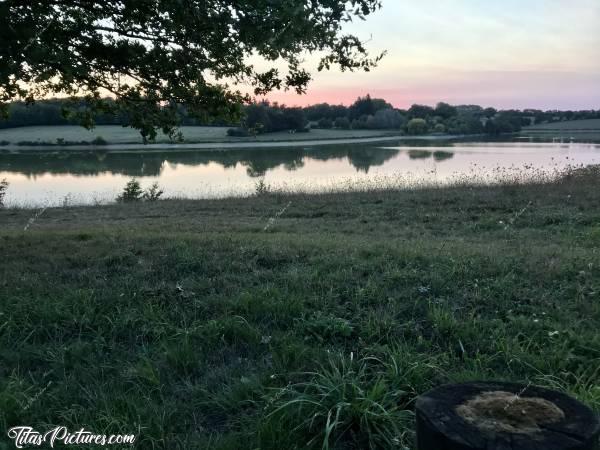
(510, 54)
(506, 90)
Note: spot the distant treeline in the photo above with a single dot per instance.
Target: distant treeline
(54, 112)
(364, 113)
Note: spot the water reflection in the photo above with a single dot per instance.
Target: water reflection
(442, 155)
(419, 154)
(438, 155)
(38, 178)
(256, 161)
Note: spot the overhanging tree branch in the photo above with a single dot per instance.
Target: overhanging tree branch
(171, 50)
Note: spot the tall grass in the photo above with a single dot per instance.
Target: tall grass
(186, 323)
(351, 402)
(3, 189)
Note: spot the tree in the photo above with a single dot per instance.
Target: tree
(386, 119)
(491, 128)
(325, 111)
(257, 117)
(416, 127)
(342, 122)
(489, 112)
(132, 192)
(152, 56)
(507, 122)
(294, 119)
(363, 106)
(264, 117)
(366, 106)
(445, 111)
(420, 111)
(464, 124)
(469, 110)
(325, 123)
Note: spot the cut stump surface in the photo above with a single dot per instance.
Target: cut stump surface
(503, 416)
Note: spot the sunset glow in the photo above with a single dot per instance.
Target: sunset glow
(536, 54)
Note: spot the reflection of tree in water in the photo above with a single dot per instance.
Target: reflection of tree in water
(365, 158)
(441, 155)
(438, 155)
(256, 161)
(419, 154)
(294, 165)
(259, 162)
(362, 158)
(84, 164)
(143, 164)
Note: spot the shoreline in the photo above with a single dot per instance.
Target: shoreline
(227, 145)
(440, 186)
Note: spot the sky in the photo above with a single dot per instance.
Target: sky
(503, 53)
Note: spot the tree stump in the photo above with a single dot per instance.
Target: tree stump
(503, 416)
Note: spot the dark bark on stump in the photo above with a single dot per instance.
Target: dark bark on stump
(440, 427)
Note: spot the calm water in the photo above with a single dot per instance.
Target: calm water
(50, 178)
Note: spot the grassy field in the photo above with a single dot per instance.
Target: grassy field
(114, 134)
(586, 130)
(295, 321)
(577, 129)
(578, 125)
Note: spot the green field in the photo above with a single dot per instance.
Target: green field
(587, 130)
(570, 125)
(580, 129)
(295, 321)
(114, 134)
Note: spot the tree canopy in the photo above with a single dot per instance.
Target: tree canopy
(153, 56)
(365, 106)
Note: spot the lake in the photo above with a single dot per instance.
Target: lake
(67, 177)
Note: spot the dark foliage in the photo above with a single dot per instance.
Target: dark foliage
(364, 113)
(265, 118)
(420, 112)
(325, 123)
(342, 122)
(238, 132)
(154, 56)
(366, 106)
